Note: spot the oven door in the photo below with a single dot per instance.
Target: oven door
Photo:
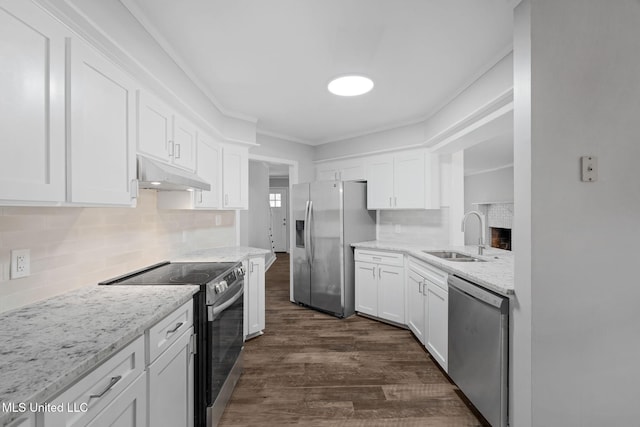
(225, 338)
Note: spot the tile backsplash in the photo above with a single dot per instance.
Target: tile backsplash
(420, 227)
(73, 247)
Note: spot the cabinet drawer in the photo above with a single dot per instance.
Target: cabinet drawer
(430, 272)
(379, 257)
(168, 330)
(99, 388)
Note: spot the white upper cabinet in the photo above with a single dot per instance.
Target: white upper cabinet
(101, 145)
(184, 143)
(380, 182)
(235, 177)
(155, 123)
(210, 169)
(341, 170)
(164, 134)
(32, 91)
(403, 180)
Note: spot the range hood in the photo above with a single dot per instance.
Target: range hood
(160, 176)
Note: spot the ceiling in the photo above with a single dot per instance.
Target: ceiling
(272, 60)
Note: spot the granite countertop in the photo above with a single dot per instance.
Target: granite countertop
(496, 274)
(47, 346)
(224, 254)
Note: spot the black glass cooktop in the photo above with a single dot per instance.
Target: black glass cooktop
(175, 273)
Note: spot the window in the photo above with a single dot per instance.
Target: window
(275, 200)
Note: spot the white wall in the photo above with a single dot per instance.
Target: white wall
(493, 186)
(258, 219)
(497, 80)
(271, 146)
(393, 138)
(583, 297)
(73, 247)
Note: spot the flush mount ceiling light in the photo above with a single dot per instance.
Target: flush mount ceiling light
(351, 85)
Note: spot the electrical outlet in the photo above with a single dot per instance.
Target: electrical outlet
(20, 263)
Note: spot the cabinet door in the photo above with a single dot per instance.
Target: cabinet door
(255, 315)
(154, 127)
(437, 324)
(171, 385)
(209, 168)
(391, 293)
(129, 409)
(366, 282)
(326, 172)
(102, 152)
(409, 180)
(380, 182)
(415, 304)
(32, 116)
(235, 179)
(352, 170)
(184, 143)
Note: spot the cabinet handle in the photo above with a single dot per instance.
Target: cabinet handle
(390, 202)
(420, 287)
(251, 268)
(177, 150)
(113, 382)
(175, 328)
(379, 273)
(377, 257)
(373, 270)
(171, 148)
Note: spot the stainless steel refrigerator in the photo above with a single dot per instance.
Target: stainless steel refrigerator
(328, 217)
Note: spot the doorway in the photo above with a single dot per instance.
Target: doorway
(279, 206)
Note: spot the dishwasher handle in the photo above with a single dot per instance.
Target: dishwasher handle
(475, 291)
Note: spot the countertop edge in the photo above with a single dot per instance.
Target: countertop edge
(412, 250)
(86, 366)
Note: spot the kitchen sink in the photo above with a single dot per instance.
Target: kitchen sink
(454, 256)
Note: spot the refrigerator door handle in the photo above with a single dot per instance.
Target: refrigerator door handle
(310, 241)
(306, 233)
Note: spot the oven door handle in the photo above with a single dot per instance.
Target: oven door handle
(214, 311)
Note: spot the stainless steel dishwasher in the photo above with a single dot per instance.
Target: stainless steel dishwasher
(479, 347)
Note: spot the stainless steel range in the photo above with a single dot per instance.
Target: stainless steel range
(218, 323)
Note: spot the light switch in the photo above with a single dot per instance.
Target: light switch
(589, 168)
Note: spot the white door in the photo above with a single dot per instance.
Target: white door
(279, 204)
(391, 293)
(32, 87)
(380, 182)
(366, 288)
(101, 149)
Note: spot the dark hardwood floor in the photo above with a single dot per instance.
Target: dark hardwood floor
(312, 369)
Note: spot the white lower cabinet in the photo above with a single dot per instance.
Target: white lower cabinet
(170, 379)
(128, 409)
(97, 391)
(121, 392)
(428, 308)
(254, 312)
(437, 323)
(379, 285)
(415, 304)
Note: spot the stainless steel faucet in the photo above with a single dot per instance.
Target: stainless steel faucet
(481, 243)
